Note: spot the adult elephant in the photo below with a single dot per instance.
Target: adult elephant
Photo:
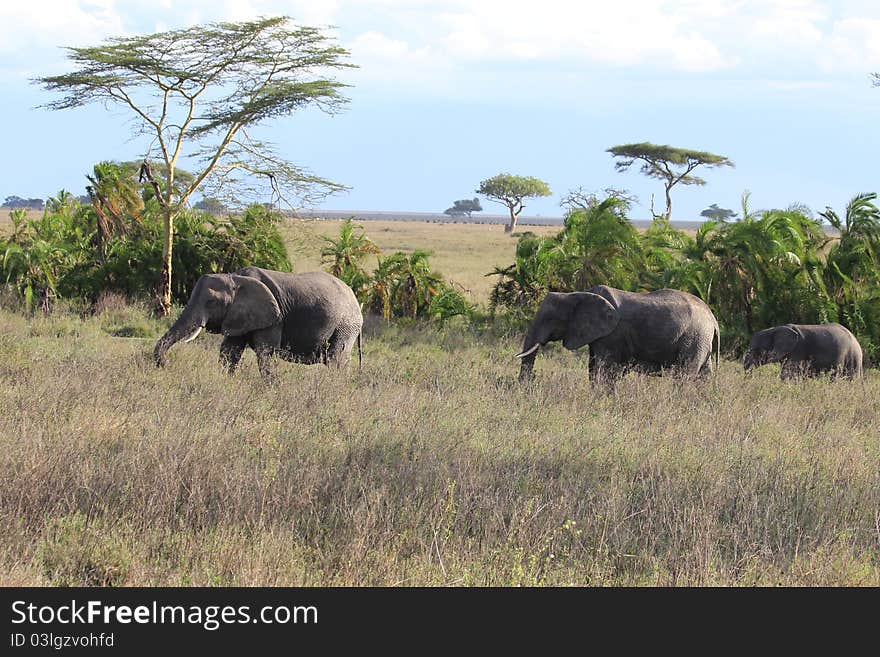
(306, 318)
(806, 350)
(665, 329)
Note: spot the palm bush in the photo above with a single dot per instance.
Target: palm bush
(597, 245)
(404, 285)
(520, 286)
(343, 257)
(66, 253)
(761, 271)
(852, 272)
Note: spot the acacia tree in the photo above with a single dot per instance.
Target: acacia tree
(510, 190)
(196, 92)
(666, 163)
(714, 213)
(464, 206)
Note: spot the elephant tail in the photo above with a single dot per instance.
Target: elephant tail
(360, 354)
(716, 347)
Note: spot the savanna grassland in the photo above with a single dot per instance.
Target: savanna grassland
(462, 253)
(429, 466)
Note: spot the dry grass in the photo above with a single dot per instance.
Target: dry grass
(462, 253)
(431, 466)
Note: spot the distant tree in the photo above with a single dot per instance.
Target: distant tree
(212, 206)
(15, 202)
(203, 88)
(666, 163)
(580, 199)
(510, 190)
(465, 206)
(715, 213)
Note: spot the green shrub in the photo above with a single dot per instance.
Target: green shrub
(61, 255)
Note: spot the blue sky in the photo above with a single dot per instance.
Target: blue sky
(448, 93)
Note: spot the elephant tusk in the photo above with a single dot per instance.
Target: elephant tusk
(194, 335)
(523, 354)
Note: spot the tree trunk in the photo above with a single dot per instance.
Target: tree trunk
(668, 213)
(165, 281)
(509, 228)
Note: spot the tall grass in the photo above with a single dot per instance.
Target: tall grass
(430, 466)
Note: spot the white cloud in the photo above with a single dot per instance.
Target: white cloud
(46, 23)
(384, 60)
(419, 38)
(854, 44)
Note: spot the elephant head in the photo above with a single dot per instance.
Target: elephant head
(576, 318)
(221, 303)
(771, 346)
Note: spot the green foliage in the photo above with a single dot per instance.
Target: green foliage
(449, 303)
(597, 245)
(344, 255)
(67, 255)
(852, 272)
(403, 285)
(520, 286)
(39, 253)
(762, 271)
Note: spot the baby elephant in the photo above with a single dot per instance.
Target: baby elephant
(806, 350)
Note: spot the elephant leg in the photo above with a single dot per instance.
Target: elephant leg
(604, 373)
(265, 344)
(264, 360)
(707, 368)
(790, 371)
(231, 350)
(340, 347)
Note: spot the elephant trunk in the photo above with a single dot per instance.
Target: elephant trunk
(186, 328)
(531, 344)
(750, 360)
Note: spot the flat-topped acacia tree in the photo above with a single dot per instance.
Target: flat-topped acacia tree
(666, 163)
(195, 92)
(510, 190)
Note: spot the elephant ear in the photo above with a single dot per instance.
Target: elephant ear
(785, 339)
(591, 318)
(253, 307)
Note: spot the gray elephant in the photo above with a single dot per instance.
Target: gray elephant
(306, 318)
(806, 350)
(665, 329)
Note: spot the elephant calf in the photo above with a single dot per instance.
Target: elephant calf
(806, 350)
(306, 318)
(664, 329)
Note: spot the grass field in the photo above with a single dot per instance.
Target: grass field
(431, 466)
(462, 253)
